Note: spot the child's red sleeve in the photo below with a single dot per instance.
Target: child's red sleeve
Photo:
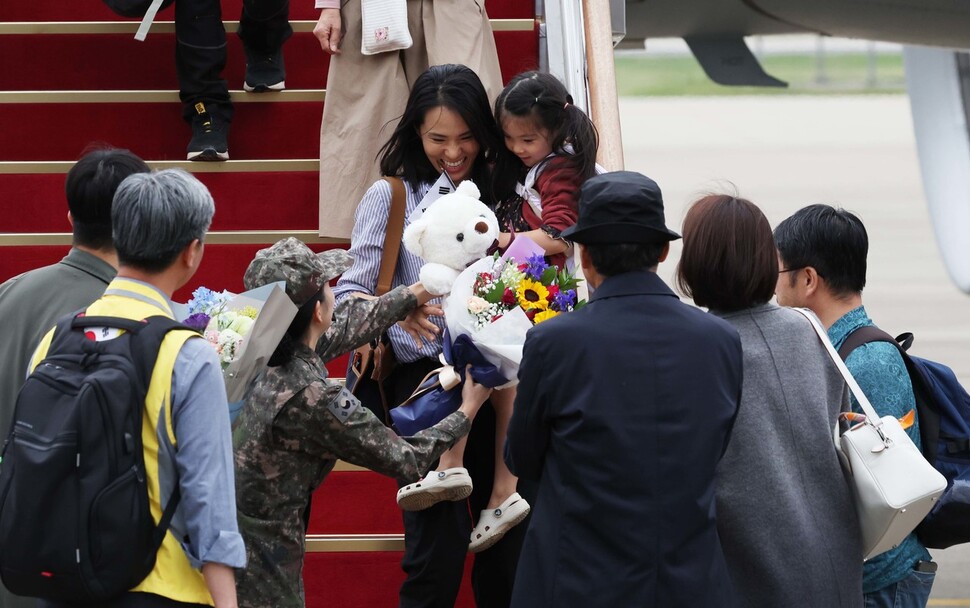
(558, 187)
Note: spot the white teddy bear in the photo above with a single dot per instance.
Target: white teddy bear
(456, 230)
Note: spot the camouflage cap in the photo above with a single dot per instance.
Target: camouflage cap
(304, 271)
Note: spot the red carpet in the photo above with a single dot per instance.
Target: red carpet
(32, 201)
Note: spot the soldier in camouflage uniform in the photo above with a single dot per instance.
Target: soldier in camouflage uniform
(296, 423)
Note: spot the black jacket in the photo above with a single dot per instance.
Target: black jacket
(623, 411)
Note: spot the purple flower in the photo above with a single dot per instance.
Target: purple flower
(535, 265)
(564, 300)
(198, 321)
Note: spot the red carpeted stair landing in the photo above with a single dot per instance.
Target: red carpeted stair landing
(73, 75)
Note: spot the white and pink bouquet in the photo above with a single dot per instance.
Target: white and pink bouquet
(243, 329)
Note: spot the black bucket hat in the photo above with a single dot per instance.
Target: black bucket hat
(620, 207)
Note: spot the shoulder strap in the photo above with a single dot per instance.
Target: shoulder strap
(392, 236)
(864, 335)
(867, 408)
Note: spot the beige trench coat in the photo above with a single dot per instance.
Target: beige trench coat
(366, 94)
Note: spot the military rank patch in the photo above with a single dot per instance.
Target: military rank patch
(343, 405)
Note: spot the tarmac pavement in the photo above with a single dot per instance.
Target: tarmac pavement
(783, 153)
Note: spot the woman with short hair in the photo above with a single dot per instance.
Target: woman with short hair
(784, 509)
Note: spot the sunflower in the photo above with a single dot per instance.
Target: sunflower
(545, 315)
(532, 295)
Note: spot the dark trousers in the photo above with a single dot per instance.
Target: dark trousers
(436, 539)
(200, 48)
(128, 600)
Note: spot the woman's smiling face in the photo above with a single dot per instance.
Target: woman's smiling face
(449, 143)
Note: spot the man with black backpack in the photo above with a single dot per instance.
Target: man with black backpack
(116, 482)
(822, 266)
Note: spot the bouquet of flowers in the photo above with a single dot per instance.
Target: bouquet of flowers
(492, 305)
(497, 299)
(540, 290)
(243, 329)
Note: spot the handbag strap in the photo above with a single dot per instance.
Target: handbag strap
(392, 236)
(853, 385)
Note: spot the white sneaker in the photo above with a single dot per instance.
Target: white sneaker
(450, 484)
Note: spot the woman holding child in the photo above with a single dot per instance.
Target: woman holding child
(447, 129)
(550, 150)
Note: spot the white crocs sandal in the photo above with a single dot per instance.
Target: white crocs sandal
(494, 523)
(450, 484)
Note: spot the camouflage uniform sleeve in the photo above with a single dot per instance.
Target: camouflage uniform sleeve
(358, 321)
(351, 432)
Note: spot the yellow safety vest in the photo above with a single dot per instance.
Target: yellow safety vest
(173, 576)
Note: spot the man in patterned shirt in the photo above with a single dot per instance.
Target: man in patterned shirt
(822, 259)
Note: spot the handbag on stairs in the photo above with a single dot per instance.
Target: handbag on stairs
(893, 484)
(371, 364)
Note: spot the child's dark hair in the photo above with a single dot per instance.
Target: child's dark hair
(543, 99)
(287, 346)
(459, 89)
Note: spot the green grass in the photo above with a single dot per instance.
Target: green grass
(652, 76)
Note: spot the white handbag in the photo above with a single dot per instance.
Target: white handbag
(385, 26)
(894, 486)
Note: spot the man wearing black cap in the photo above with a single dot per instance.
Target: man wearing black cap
(623, 411)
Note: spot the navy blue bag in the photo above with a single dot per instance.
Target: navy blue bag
(943, 411)
(431, 403)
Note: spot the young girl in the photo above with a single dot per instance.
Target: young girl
(551, 150)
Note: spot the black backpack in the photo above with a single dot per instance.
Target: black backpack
(943, 413)
(75, 521)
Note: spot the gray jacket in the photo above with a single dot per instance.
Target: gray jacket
(31, 303)
(784, 510)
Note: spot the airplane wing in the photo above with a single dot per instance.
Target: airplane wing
(938, 79)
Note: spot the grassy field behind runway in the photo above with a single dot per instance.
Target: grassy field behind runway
(645, 75)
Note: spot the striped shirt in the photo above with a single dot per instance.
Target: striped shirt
(366, 247)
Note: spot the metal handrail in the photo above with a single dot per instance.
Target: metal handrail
(601, 74)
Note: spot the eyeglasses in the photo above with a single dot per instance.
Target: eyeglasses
(791, 269)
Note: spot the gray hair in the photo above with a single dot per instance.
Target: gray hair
(156, 215)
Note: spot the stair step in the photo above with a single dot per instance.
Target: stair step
(363, 580)
(116, 61)
(244, 201)
(232, 166)
(342, 543)
(356, 502)
(168, 27)
(123, 63)
(41, 131)
(153, 96)
(57, 10)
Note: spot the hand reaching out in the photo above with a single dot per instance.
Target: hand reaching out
(418, 325)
